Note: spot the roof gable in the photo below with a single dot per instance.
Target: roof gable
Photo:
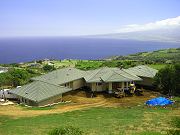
(110, 75)
(142, 71)
(61, 76)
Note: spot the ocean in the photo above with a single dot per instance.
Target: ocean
(15, 50)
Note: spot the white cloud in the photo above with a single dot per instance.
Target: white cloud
(163, 24)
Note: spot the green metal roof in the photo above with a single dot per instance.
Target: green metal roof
(105, 74)
(38, 91)
(110, 75)
(142, 71)
(61, 76)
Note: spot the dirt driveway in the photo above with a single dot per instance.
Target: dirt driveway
(79, 100)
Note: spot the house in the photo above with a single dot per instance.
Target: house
(49, 88)
(3, 69)
(35, 65)
(146, 73)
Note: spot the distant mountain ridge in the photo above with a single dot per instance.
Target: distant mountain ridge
(165, 35)
(162, 31)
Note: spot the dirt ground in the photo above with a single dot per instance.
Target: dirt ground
(79, 100)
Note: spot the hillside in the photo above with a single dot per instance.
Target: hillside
(165, 55)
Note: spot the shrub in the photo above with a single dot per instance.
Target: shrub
(167, 79)
(66, 131)
(176, 122)
(173, 132)
(48, 68)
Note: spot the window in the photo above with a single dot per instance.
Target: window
(98, 84)
(67, 84)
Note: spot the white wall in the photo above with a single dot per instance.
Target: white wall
(98, 87)
(78, 84)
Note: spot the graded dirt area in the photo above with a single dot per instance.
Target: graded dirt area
(79, 100)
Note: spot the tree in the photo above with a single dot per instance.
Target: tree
(19, 77)
(5, 79)
(15, 77)
(167, 79)
(177, 78)
(48, 68)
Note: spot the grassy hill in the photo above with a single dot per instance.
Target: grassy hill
(101, 120)
(100, 115)
(166, 55)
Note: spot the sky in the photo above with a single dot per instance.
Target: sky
(82, 17)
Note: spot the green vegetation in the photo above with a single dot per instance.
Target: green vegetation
(161, 56)
(66, 131)
(167, 79)
(48, 68)
(157, 66)
(176, 124)
(102, 121)
(88, 65)
(64, 63)
(16, 77)
(156, 59)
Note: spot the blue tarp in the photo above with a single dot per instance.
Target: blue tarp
(160, 101)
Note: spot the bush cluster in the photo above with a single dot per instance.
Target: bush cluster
(168, 80)
(66, 131)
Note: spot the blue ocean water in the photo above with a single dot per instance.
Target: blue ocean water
(14, 50)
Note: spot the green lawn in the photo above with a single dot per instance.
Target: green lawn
(87, 65)
(157, 66)
(94, 121)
